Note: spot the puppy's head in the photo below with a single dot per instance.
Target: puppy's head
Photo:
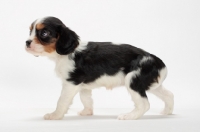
(50, 34)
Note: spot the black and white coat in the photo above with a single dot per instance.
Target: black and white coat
(83, 66)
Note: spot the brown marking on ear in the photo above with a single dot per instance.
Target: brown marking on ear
(40, 26)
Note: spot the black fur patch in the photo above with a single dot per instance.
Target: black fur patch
(149, 73)
(102, 58)
(67, 42)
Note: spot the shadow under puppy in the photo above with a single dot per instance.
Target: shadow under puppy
(83, 66)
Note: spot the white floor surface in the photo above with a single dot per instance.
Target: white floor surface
(103, 120)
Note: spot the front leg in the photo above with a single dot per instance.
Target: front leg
(85, 96)
(66, 97)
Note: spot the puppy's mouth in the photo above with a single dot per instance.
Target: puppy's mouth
(31, 52)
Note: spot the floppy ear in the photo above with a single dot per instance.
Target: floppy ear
(67, 41)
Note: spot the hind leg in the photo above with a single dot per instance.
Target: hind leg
(141, 106)
(167, 97)
(85, 96)
(138, 97)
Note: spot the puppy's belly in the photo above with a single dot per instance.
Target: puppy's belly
(106, 81)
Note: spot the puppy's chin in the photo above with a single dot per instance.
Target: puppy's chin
(31, 52)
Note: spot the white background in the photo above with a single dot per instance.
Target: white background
(169, 29)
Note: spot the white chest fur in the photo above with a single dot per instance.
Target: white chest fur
(64, 65)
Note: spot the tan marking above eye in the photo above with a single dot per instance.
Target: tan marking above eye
(40, 26)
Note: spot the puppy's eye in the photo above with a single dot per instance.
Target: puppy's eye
(45, 33)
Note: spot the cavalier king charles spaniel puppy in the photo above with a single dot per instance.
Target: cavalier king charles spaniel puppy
(83, 66)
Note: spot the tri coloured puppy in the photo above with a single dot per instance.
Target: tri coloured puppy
(85, 66)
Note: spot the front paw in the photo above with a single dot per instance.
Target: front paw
(86, 112)
(134, 115)
(53, 116)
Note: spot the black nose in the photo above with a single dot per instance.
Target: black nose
(28, 43)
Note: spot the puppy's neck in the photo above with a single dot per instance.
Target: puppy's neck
(54, 56)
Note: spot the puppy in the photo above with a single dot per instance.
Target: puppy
(85, 66)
